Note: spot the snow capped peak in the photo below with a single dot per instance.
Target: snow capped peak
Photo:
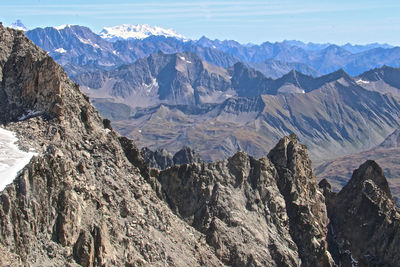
(18, 25)
(62, 27)
(140, 31)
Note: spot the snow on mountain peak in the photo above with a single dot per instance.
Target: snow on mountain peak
(62, 27)
(140, 31)
(18, 25)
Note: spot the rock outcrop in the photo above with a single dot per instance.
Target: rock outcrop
(162, 159)
(266, 212)
(24, 69)
(304, 201)
(365, 222)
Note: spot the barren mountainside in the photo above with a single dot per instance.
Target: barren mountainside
(338, 171)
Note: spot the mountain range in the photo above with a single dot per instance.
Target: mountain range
(76, 47)
(88, 198)
(172, 100)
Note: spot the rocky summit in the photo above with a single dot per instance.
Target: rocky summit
(90, 199)
(364, 220)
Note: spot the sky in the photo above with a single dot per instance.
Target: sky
(252, 21)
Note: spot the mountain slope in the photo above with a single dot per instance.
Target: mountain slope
(333, 120)
(338, 171)
(181, 78)
(384, 80)
(79, 50)
(88, 51)
(76, 45)
(276, 69)
(178, 100)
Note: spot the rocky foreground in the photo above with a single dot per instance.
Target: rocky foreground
(90, 199)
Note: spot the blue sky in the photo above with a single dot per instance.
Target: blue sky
(256, 21)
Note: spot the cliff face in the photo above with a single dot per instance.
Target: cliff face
(25, 68)
(90, 199)
(365, 222)
(162, 159)
(254, 212)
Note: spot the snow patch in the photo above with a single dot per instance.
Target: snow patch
(62, 27)
(184, 59)
(12, 159)
(60, 50)
(152, 85)
(140, 31)
(360, 81)
(88, 42)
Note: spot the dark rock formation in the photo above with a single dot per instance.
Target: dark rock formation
(186, 155)
(162, 159)
(24, 68)
(365, 221)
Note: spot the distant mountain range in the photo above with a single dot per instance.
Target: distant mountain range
(172, 100)
(77, 48)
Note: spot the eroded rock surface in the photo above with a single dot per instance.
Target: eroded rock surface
(162, 159)
(365, 222)
(254, 212)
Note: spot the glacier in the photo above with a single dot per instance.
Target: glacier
(140, 31)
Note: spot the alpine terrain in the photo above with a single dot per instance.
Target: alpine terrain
(88, 198)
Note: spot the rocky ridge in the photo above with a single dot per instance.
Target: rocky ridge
(162, 159)
(365, 221)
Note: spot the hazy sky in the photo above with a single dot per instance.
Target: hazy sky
(256, 21)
